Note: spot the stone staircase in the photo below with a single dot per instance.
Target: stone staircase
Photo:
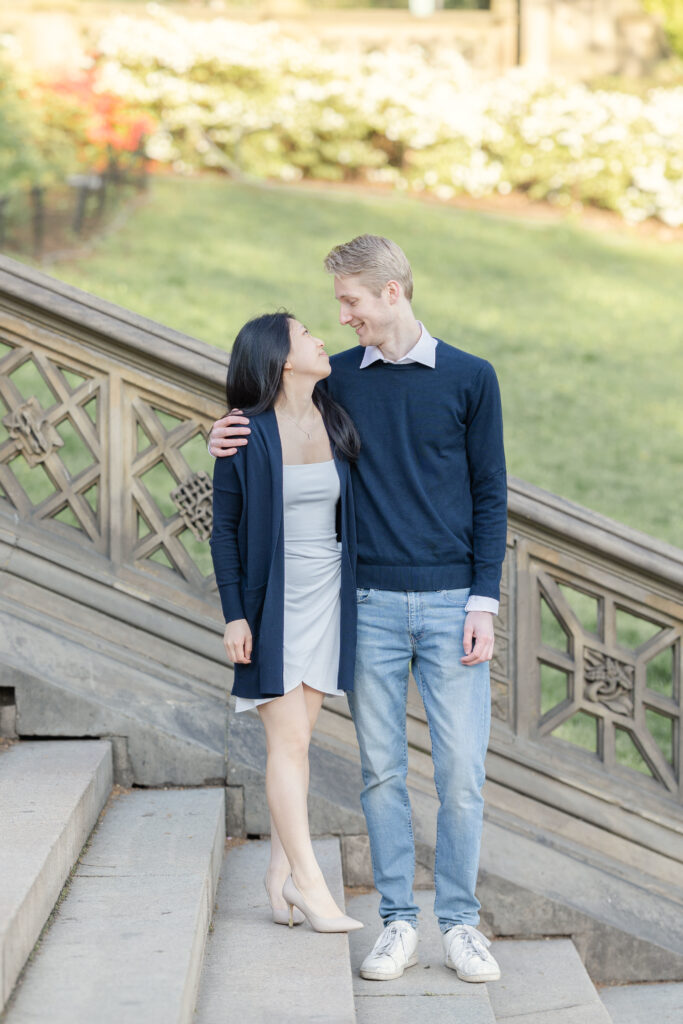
(125, 941)
(128, 906)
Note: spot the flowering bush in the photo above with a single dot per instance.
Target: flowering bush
(100, 121)
(51, 129)
(248, 98)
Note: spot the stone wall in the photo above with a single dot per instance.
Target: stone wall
(575, 38)
(584, 38)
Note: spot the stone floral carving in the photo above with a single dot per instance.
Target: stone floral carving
(28, 426)
(193, 499)
(609, 682)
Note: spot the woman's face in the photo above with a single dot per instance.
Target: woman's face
(307, 354)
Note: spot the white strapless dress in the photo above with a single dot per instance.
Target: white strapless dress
(312, 580)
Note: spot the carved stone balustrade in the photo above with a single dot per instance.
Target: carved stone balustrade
(104, 441)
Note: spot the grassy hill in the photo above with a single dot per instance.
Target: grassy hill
(585, 330)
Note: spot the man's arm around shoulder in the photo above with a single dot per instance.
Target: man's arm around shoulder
(228, 434)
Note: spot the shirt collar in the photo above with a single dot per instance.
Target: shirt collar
(423, 351)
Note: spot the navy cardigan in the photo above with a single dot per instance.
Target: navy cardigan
(247, 546)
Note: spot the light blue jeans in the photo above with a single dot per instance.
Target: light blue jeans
(395, 629)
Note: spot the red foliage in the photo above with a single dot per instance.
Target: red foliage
(109, 122)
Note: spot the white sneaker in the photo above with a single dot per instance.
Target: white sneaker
(395, 949)
(467, 954)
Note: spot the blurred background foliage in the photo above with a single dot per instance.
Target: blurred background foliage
(670, 13)
(252, 188)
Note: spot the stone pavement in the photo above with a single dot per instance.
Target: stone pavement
(645, 1004)
(126, 944)
(256, 972)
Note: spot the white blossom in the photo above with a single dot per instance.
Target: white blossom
(230, 94)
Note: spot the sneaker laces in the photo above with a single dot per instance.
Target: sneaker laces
(474, 941)
(386, 939)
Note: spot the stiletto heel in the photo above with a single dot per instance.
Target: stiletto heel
(317, 923)
(291, 916)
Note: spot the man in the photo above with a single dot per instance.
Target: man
(430, 493)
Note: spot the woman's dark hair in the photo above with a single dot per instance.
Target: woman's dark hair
(255, 373)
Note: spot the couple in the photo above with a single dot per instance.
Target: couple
(401, 440)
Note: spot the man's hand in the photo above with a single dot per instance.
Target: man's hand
(478, 629)
(229, 434)
(237, 640)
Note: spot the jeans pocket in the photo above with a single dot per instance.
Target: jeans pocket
(362, 594)
(457, 598)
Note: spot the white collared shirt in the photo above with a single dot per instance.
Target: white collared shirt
(424, 351)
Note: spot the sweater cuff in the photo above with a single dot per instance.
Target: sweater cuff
(231, 602)
(482, 604)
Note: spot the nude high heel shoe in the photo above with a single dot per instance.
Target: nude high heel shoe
(283, 916)
(319, 924)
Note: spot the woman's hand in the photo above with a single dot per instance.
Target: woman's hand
(237, 640)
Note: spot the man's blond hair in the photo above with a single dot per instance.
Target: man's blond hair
(375, 259)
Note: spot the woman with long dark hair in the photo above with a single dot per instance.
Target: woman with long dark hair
(284, 550)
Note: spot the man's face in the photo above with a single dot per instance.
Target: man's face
(368, 314)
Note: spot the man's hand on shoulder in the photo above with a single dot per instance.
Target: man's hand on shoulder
(478, 631)
(229, 434)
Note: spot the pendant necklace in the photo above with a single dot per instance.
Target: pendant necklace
(302, 429)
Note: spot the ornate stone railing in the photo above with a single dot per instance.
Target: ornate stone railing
(103, 465)
(587, 673)
(597, 620)
(103, 425)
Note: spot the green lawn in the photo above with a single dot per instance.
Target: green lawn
(584, 329)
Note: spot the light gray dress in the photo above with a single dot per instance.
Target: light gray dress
(312, 580)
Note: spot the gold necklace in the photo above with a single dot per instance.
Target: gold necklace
(302, 429)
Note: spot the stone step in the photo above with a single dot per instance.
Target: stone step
(430, 992)
(51, 793)
(167, 729)
(637, 1004)
(544, 982)
(533, 882)
(265, 972)
(127, 942)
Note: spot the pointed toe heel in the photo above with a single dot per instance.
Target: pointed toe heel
(319, 924)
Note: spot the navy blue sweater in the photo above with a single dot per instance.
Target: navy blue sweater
(430, 486)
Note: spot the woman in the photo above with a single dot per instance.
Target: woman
(284, 550)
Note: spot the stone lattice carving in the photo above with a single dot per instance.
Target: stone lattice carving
(193, 499)
(609, 682)
(28, 426)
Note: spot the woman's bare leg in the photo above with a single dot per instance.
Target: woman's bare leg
(288, 722)
(278, 868)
